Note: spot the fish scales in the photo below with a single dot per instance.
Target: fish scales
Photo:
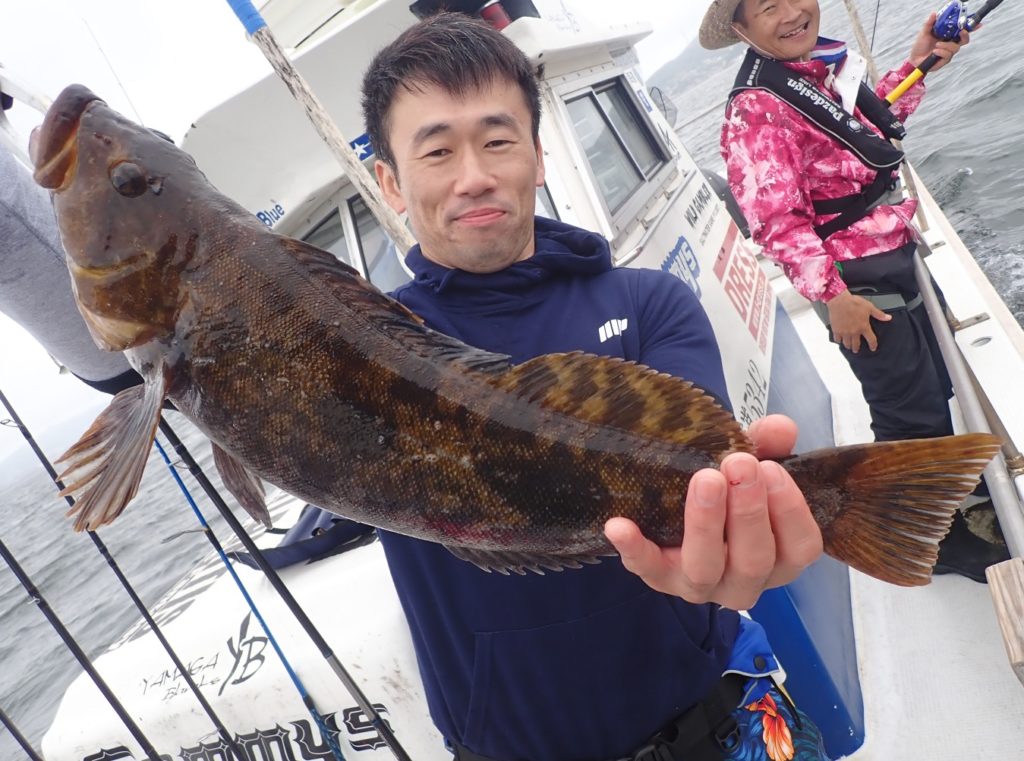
(391, 435)
(304, 375)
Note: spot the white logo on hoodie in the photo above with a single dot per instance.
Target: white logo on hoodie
(612, 328)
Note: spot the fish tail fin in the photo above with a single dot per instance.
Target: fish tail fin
(884, 507)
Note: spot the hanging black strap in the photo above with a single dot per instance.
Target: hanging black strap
(705, 732)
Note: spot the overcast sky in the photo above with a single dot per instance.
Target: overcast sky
(164, 63)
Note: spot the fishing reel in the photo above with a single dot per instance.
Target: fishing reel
(953, 19)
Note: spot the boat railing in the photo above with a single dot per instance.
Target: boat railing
(1006, 580)
(25, 93)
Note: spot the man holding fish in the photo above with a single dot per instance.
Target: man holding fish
(587, 664)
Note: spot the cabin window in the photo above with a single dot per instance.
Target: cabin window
(619, 144)
(546, 204)
(380, 260)
(330, 236)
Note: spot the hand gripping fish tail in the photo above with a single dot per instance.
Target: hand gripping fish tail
(884, 507)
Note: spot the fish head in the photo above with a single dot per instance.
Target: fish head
(122, 196)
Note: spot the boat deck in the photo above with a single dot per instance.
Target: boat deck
(936, 682)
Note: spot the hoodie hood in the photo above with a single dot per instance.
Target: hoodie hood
(561, 249)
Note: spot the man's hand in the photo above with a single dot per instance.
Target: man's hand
(927, 43)
(746, 528)
(850, 318)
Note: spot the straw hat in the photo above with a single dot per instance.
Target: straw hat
(716, 28)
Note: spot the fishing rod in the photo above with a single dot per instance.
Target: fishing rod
(949, 22)
(101, 547)
(307, 699)
(83, 660)
(296, 610)
(19, 737)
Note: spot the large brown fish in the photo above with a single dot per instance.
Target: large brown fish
(306, 376)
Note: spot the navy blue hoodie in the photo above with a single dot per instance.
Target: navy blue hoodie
(581, 665)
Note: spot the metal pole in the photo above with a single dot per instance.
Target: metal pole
(76, 650)
(101, 547)
(1000, 486)
(19, 737)
(325, 126)
(862, 40)
(286, 596)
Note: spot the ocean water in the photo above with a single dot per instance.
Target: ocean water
(965, 142)
(154, 542)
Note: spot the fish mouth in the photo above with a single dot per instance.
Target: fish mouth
(55, 146)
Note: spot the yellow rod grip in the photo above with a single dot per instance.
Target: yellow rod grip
(903, 86)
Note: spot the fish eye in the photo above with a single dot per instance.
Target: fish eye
(128, 179)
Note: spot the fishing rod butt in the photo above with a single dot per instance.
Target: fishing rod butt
(915, 76)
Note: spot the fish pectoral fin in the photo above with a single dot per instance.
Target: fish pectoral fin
(105, 466)
(243, 485)
(505, 562)
(627, 396)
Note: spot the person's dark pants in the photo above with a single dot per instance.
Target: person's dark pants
(907, 389)
(904, 381)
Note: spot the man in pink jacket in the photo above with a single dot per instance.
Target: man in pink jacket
(810, 161)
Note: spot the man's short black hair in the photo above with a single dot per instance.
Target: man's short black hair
(452, 51)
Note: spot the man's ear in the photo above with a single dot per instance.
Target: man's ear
(387, 178)
(540, 162)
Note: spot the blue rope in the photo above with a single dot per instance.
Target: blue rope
(306, 698)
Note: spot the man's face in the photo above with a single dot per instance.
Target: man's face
(785, 29)
(466, 171)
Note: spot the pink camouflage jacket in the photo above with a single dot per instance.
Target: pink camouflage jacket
(778, 162)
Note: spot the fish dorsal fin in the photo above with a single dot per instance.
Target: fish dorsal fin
(629, 397)
(390, 316)
(347, 283)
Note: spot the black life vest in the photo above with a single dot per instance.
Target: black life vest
(760, 73)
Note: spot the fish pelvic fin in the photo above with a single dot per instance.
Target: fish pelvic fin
(629, 397)
(519, 563)
(105, 466)
(884, 507)
(243, 485)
